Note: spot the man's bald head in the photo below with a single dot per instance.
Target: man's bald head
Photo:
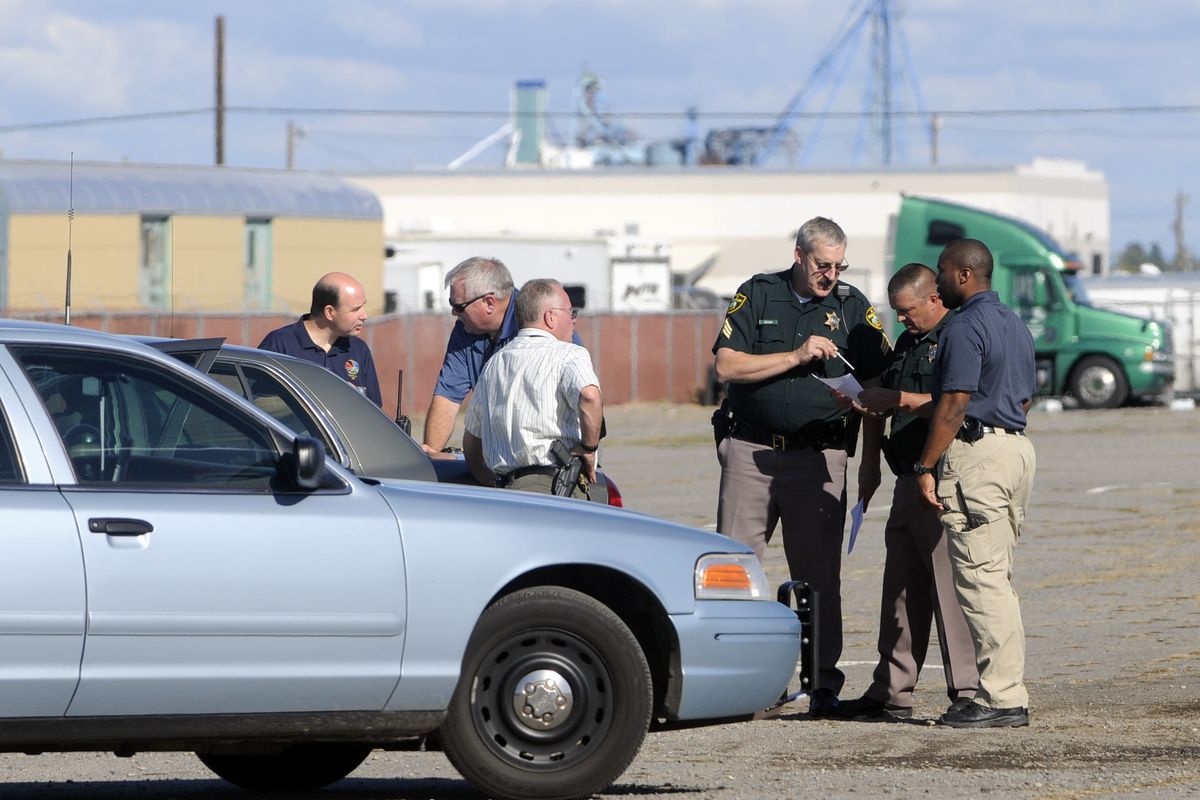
(339, 303)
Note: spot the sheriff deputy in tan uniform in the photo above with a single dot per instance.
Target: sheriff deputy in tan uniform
(918, 584)
(784, 458)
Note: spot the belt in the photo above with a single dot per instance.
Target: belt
(776, 441)
(1012, 431)
(520, 472)
(969, 435)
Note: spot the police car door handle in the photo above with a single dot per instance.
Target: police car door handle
(119, 526)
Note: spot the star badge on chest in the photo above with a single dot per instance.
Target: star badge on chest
(831, 320)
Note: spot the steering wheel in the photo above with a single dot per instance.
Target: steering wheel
(84, 448)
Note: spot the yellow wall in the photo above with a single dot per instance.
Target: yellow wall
(104, 261)
(305, 249)
(207, 257)
(207, 261)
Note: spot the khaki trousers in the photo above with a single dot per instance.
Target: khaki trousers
(806, 490)
(918, 590)
(985, 487)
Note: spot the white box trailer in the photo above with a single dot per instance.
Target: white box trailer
(600, 274)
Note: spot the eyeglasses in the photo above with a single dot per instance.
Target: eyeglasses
(825, 269)
(574, 311)
(458, 308)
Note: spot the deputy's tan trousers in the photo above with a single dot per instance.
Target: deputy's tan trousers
(985, 487)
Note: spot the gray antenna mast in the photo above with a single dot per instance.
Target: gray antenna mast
(70, 226)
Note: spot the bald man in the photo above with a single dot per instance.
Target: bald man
(328, 334)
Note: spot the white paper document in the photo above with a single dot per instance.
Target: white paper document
(856, 518)
(846, 384)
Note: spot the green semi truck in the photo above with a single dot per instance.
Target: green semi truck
(1099, 357)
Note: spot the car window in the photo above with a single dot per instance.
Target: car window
(127, 421)
(269, 394)
(10, 465)
(226, 374)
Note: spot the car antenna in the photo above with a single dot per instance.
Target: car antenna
(70, 226)
(401, 419)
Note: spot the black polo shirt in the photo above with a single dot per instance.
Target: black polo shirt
(349, 357)
(910, 369)
(766, 317)
(987, 350)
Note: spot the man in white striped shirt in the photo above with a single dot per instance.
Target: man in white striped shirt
(541, 387)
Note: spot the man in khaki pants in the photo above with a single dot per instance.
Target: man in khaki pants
(977, 470)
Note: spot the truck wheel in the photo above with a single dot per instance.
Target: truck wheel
(1098, 382)
(554, 698)
(300, 767)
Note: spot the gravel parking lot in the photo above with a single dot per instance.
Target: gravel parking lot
(1107, 574)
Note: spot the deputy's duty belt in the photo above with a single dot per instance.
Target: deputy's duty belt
(795, 441)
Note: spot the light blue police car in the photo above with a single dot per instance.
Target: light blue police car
(182, 572)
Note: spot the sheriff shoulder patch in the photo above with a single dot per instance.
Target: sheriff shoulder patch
(737, 302)
(873, 319)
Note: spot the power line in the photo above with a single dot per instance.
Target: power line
(74, 123)
(670, 115)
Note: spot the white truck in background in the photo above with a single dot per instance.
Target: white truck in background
(603, 273)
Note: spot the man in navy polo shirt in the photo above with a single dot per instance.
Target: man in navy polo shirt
(483, 300)
(328, 334)
(977, 471)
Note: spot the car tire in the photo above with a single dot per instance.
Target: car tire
(1098, 382)
(554, 699)
(300, 767)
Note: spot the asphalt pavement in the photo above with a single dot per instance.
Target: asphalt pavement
(1107, 573)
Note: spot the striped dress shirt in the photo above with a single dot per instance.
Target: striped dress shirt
(528, 396)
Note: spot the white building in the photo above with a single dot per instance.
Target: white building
(725, 223)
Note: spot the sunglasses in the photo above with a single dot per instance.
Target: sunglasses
(458, 308)
(827, 268)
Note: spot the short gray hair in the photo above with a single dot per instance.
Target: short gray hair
(819, 229)
(532, 299)
(482, 276)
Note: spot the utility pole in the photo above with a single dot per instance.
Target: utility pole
(220, 81)
(294, 132)
(935, 127)
(1182, 260)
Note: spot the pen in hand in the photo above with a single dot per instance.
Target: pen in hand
(844, 361)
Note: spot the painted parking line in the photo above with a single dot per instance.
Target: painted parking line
(1119, 486)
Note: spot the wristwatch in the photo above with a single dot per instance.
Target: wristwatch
(589, 449)
(921, 469)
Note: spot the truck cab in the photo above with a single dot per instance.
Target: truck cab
(1101, 358)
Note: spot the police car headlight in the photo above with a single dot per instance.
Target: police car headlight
(730, 577)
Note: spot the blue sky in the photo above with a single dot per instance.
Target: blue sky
(62, 60)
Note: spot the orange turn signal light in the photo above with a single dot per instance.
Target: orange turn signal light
(726, 576)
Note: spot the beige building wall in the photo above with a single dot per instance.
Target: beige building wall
(104, 261)
(207, 263)
(305, 249)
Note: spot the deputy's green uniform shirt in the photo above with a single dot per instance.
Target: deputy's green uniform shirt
(765, 317)
(910, 369)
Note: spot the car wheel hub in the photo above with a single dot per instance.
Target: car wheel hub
(543, 700)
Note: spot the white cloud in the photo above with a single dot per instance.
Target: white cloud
(379, 24)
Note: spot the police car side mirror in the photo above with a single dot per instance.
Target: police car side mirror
(306, 462)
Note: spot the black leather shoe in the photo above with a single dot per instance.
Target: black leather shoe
(977, 716)
(822, 704)
(868, 708)
(959, 706)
